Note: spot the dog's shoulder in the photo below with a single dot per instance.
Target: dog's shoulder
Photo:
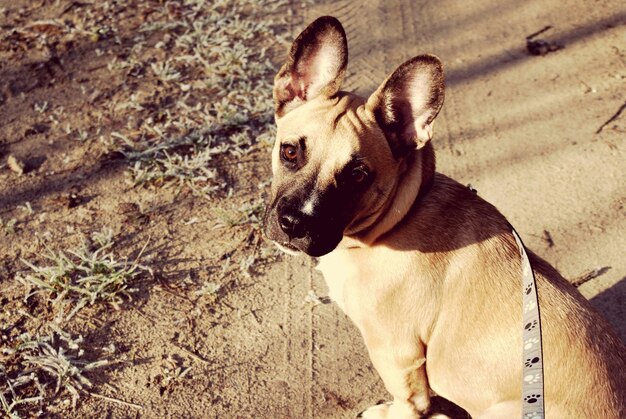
(448, 217)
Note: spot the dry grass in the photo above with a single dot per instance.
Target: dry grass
(219, 82)
(38, 368)
(192, 89)
(84, 276)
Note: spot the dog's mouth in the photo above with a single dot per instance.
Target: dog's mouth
(307, 246)
(288, 248)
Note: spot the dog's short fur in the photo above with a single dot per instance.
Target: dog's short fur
(428, 271)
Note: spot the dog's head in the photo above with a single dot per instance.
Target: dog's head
(339, 158)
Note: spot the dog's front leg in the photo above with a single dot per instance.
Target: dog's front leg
(404, 375)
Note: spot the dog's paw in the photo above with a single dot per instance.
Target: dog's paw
(379, 411)
(390, 411)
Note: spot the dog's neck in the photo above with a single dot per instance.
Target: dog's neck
(412, 185)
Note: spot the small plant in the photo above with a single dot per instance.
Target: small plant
(40, 107)
(43, 367)
(248, 213)
(84, 276)
(165, 72)
(175, 375)
(8, 226)
(182, 170)
(185, 161)
(27, 208)
(208, 288)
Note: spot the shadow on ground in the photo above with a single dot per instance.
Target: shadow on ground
(612, 304)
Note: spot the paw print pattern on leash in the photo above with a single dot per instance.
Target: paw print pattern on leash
(530, 325)
(529, 343)
(532, 398)
(531, 361)
(529, 306)
(531, 378)
(529, 288)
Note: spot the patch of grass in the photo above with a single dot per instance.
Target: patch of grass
(208, 288)
(249, 212)
(165, 72)
(41, 368)
(8, 227)
(216, 72)
(84, 276)
(182, 162)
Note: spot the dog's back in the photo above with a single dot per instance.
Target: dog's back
(584, 360)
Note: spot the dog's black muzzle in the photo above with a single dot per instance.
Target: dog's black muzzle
(315, 235)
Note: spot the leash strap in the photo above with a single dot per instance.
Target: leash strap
(532, 376)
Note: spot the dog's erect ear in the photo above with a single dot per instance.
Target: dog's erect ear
(406, 104)
(316, 65)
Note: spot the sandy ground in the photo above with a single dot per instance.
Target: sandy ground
(528, 132)
(521, 129)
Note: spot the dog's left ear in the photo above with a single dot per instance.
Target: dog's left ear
(316, 65)
(406, 104)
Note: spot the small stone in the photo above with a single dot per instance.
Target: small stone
(15, 165)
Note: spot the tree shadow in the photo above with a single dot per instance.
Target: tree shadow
(35, 78)
(506, 59)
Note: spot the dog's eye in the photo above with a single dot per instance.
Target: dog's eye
(289, 153)
(358, 175)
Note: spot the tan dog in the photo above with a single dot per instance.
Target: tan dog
(428, 271)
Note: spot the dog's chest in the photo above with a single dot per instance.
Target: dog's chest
(353, 280)
(340, 275)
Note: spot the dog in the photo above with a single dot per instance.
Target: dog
(428, 271)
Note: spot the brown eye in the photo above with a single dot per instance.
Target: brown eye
(289, 153)
(358, 175)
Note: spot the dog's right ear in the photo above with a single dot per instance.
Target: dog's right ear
(316, 65)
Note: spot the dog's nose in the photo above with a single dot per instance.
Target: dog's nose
(292, 225)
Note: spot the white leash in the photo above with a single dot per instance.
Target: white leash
(532, 381)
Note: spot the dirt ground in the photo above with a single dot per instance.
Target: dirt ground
(222, 326)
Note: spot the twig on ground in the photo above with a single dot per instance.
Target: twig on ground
(193, 355)
(118, 401)
(613, 118)
(539, 32)
(589, 275)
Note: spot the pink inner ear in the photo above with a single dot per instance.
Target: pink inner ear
(300, 81)
(304, 82)
(296, 87)
(304, 74)
(290, 87)
(416, 109)
(317, 62)
(405, 114)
